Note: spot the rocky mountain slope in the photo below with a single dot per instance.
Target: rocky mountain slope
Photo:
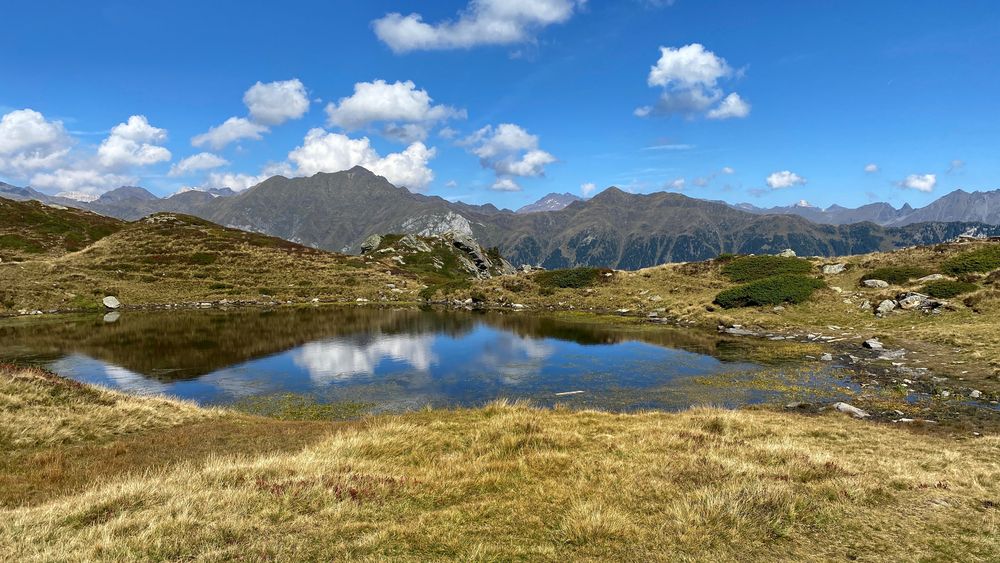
(338, 211)
(959, 205)
(551, 202)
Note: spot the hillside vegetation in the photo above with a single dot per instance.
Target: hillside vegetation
(30, 230)
(507, 482)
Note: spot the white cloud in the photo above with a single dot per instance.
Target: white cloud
(508, 150)
(322, 151)
(196, 163)
(276, 102)
(29, 142)
(483, 22)
(919, 182)
(133, 143)
(871, 168)
(677, 184)
(78, 196)
(239, 182)
(728, 170)
(730, 106)
(689, 78)
(784, 179)
(588, 188)
(505, 185)
(84, 180)
(955, 166)
(406, 111)
(233, 129)
(451, 184)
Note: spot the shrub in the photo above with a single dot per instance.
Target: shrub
(786, 288)
(572, 278)
(749, 268)
(985, 259)
(896, 275)
(945, 289)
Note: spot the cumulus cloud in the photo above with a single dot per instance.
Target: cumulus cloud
(505, 185)
(239, 181)
(784, 179)
(406, 112)
(588, 188)
(689, 78)
(29, 142)
(231, 130)
(133, 143)
(276, 102)
(509, 151)
(322, 151)
(731, 106)
(81, 180)
(197, 163)
(920, 182)
(677, 184)
(483, 22)
(871, 168)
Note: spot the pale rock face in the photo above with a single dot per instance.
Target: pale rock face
(787, 253)
(834, 269)
(431, 225)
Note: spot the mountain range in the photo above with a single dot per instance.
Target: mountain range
(551, 202)
(959, 205)
(338, 211)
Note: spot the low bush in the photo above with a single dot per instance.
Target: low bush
(786, 288)
(985, 259)
(944, 289)
(749, 268)
(896, 275)
(571, 278)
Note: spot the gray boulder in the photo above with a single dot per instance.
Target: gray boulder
(930, 278)
(111, 302)
(877, 284)
(787, 253)
(850, 409)
(834, 269)
(371, 243)
(885, 307)
(873, 344)
(912, 300)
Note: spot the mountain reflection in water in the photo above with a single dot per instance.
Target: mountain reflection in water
(395, 358)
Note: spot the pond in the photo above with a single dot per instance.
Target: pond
(400, 359)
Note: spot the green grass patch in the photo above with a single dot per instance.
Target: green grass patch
(897, 275)
(445, 288)
(945, 289)
(985, 259)
(750, 268)
(571, 278)
(786, 288)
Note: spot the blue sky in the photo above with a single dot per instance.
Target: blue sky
(769, 102)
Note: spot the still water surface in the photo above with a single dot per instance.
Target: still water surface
(399, 359)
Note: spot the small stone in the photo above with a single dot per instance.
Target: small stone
(850, 409)
(912, 301)
(787, 253)
(976, 393)
(111, 302)
(886, 306)
(872, 344)
(930, 278)
(878, 284)
(826, 357)
(834, 269)
(945, 393)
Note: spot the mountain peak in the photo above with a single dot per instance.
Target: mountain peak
(126, 192)
(550, 202)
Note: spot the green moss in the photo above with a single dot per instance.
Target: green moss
(985, 259)
(945, 289)
(571, 278)
(749, 268)
(786, 288)
(897, 275)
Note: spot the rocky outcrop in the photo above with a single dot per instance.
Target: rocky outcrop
(455, 251)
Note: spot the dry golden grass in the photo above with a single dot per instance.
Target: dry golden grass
(41, 409)
(512, 482)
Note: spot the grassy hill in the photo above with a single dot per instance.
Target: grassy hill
(499, 483)
(30, 230)
(172, 258)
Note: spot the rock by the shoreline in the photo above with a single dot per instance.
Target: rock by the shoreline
(850, 409)
(111, 302)
(886, 306)
(873, 344)
(877, 284)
